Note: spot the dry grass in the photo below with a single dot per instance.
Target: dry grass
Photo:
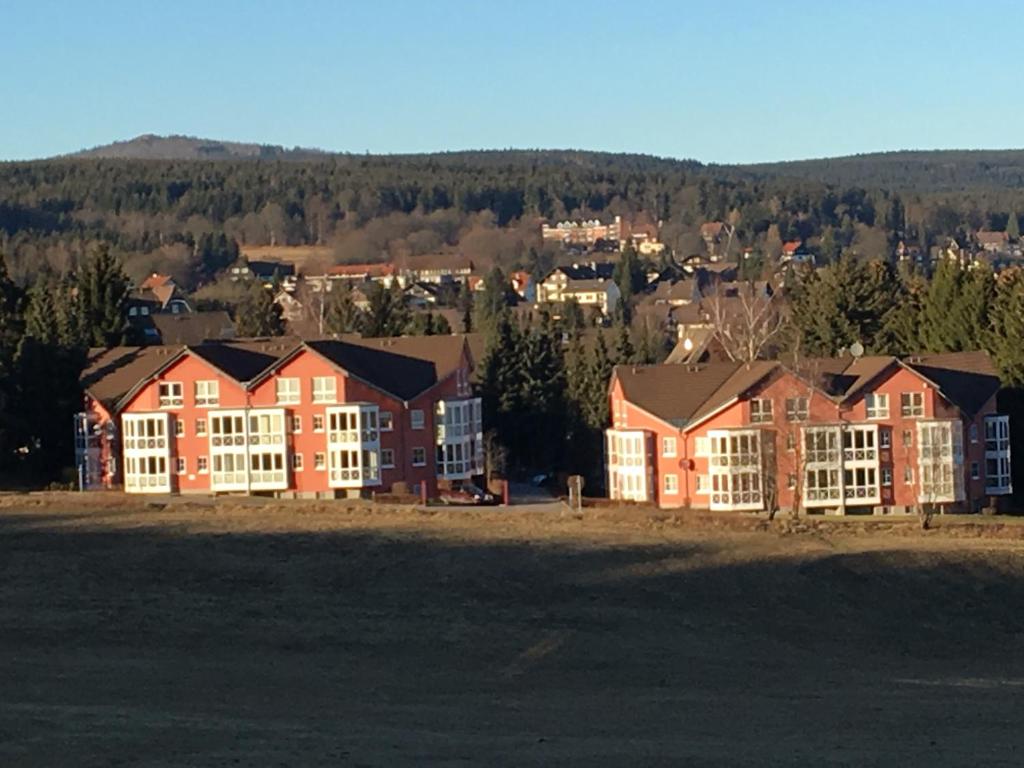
(308, 634)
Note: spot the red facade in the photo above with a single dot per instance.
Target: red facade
(305, 425)
(785, 443)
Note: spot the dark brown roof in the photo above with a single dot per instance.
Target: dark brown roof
(110, 374)
(966, 379)
(682, 394)
(678, 393)
(445, 352)
(245, 359)
(194, 328)
(395, 373)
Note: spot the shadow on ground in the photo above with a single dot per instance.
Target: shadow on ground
(149, 647)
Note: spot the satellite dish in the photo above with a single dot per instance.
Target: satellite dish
(857, 349)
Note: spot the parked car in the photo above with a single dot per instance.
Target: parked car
(467, 494)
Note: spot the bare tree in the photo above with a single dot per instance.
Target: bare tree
(747, 324)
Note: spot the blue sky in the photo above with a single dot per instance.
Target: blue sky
(735, 81)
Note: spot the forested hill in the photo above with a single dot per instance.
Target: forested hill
(150, 147)
(920, 171)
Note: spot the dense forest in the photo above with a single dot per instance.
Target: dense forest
(155, 214)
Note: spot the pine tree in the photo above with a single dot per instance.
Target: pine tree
(102, 293)
(847, 302)
(625, 352)
(543, 397)
(386, 314)
(11, 331)
(600, 379)
(1007, 337)
(258, 314)
(1013, 227)
(501, 382)
(343, 316)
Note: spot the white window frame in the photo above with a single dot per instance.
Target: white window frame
(206, 393)
(701, 485)
(417, 420)
(668, 447)
(387, 421)
(181, 465)
(318, 423)
(876, 405)
(320, 461)
(325, 389)
(886, 477)
(798, 409)
(762, 410)
(670, 484)
(296, 462)
(200, 427)
(387, 458)
(288, 390)
(912, 405)
(170, 394)
(421, 451)
(179, 427)
(296, 425)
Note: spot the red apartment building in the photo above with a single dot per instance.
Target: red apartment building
(281, 417)
(868, 434)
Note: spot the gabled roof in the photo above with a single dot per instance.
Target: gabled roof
(110, 374)
(245, 359)
(681, 394)
(155, 280)
(966, 379)
(396, 374)
(445, 352)
(684, 394)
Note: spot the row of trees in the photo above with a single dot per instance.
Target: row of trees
(888, 312)
(545, 393)
(44, 335)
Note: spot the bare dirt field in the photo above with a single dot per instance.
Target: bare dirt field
(324, 634)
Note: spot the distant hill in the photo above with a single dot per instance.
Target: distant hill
(923, 171)
(152, 147)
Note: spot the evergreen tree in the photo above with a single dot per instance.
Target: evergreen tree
(629, 275)
(386, 314)
(954, 312)
(258, 314)
(501, 382)
(625, 352)
(1007, 337)
(11, 330)
(489, 303)
(1013, 227)
(543, 396)
(847, 302)
(102, 293)
(600, 377)
(343, 316)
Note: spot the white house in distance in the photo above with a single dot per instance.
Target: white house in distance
(590, 285)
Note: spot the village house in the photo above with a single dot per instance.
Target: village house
(793, 251)
(843, 435)
(551, 289)
(281, 417)
(992, 242)
(155, 295)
